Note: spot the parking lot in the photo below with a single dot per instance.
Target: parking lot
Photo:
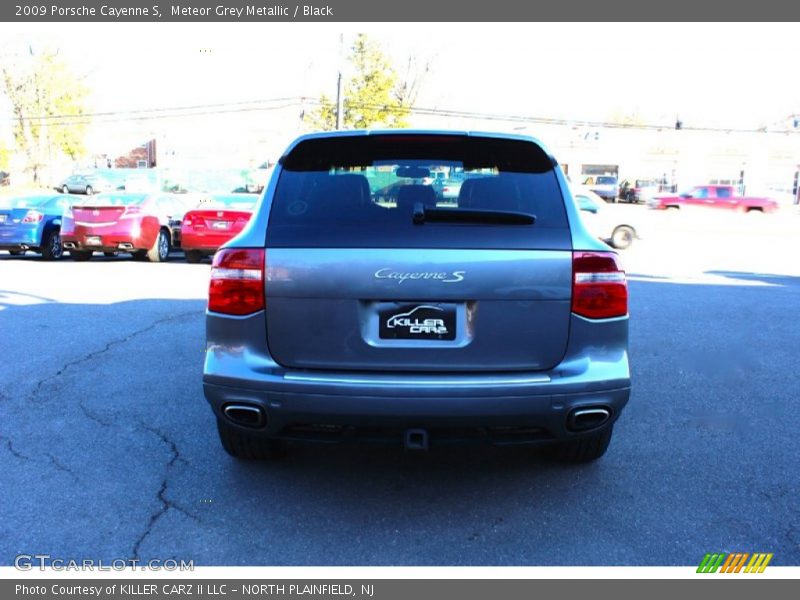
(109, 450)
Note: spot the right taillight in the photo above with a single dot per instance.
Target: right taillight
(237, 281)
(599, 289)
(132, 212)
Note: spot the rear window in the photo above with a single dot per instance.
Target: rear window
(363, 191)
(606, 180)
(28, 202)
(237, 202)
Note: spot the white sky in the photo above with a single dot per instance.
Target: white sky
(736, 75)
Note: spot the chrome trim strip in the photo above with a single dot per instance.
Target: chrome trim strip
(417, 380)
(592, 411)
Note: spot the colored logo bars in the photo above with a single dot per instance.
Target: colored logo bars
(735, 562)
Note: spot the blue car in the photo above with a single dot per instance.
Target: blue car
(32, 223)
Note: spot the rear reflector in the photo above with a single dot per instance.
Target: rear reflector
(599, 288)
(237, 281)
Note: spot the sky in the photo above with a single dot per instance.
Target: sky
(726, 75)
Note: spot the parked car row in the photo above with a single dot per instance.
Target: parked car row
(145, 225)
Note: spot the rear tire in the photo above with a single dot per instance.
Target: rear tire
(160, 250)
(584, 449)
(52, 249)
(193, 256)
(17, 252)
(246, 446)
(80, 255)
(110, 254)
(139, 254)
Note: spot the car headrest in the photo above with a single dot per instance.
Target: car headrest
(409, 195)
(495, 193)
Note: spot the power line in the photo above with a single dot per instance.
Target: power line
(221, 105)
(302, 101)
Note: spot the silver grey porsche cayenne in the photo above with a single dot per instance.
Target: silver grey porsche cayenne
(365, 302)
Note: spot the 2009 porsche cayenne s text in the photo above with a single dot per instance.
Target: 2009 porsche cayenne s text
(342, 312)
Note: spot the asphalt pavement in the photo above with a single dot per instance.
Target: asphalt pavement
(108, 449)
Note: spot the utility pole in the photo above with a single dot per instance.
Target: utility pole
(339, 94)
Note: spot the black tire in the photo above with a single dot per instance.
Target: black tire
(110, 254)
(17, 252)
(51, 248)
(193, 256)
(246, 446)
(160, 250)
(65, 190)
(89, 190)
(584, 449)
(139, 254)
(622, 237)
(80, 255)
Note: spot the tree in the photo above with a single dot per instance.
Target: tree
(47, 100)
(5, 156)
(372, 96)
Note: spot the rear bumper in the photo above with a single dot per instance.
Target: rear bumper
(20, 237)
(204, 242)
(109, 239)
(451, 417)
(500, 408)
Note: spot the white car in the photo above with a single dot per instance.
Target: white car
(611, 223)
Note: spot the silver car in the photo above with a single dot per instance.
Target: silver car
(499, 319)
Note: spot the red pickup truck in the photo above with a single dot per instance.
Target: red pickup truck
(716, 196)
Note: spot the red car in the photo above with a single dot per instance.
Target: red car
(213, 223)
(716, 196)
(146, 225)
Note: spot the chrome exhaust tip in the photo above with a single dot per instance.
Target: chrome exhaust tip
(583, 419)
(69, 245)
(125, 246)
(246, 415)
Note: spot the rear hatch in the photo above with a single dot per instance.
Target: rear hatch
(12, 217)
(25, 212)
(107, 209)
(221, 220)
(356, 281)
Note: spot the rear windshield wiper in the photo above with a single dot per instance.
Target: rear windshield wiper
(423, 214)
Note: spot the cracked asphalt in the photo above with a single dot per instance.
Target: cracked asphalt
(108, 449)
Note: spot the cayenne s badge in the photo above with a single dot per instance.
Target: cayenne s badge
(401, 276)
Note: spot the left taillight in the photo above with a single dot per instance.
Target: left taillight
(237, 281)
(33, 216)
(599, 286)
